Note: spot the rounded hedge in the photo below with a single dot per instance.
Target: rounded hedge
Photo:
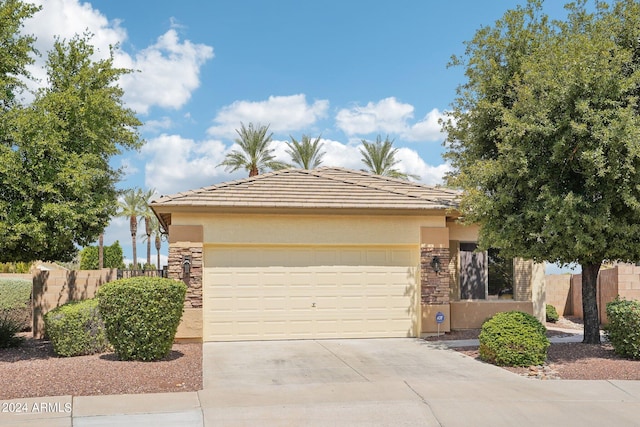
(551, 314)
(623, 329)
(15, 299)
(513, 338)
(76, 329)
(141, 315)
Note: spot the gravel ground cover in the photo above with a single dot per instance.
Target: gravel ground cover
(569, 361)
(33, 370)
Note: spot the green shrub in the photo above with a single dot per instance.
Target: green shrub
(141, 315)
(15, 299)
(513, 338)
(9, 327)
(76, 329)
(552, 314)
(623, 329)
(112, 257)
(15, 267)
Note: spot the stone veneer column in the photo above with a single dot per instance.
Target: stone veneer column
(186, 240)
(177, 252)
(434, 286)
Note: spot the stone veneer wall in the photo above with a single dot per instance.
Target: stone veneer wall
(434, 287)
(194, 281)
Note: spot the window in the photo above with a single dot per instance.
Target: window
(484, 275)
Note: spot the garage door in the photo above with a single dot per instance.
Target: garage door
(269, 293)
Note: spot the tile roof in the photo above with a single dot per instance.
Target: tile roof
(326, 187)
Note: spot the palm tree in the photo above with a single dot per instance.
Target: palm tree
(379, 157)
(155, 234)
(147, 214)
(306, 154)
(254, 154)
(131, 207)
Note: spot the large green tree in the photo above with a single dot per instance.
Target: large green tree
(306, 153)
(16, 53)
(57, 185)
(544, 137)
(380, 158)
(255, 153)
(113, 257)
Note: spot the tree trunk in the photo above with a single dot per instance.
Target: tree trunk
(590, 303)
(147, 229)
(133, 226)
(101, 251)
(158, 246)
(253, 172)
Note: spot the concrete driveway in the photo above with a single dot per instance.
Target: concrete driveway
(393, 382)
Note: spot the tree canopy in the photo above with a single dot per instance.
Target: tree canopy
(57, 187)
(255, 153)
(544, 137)
(113, 257)
(380, 158)
(306, 154)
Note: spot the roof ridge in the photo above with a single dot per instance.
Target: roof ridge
(384, 178)
(358, 178)
(225, 184)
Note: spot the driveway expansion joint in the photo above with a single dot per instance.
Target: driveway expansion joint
(424, 401)
(343, 361)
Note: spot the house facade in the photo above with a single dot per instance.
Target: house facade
(333, 253)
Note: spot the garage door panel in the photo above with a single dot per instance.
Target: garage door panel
(295, 298)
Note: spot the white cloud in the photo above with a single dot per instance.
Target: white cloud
(283, 113)
(169, 73)
(170, 64)
(411, 162)
(155, 126)
(66, 18)
(128, 168)
(177, 164)
(390, 117)
(386, 116)
(342, 155)
(428, 129)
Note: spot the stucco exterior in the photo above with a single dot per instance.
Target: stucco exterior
(322, 254)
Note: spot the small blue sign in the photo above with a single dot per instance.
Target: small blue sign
(439, 317)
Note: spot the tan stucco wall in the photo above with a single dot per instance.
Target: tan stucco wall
(54, 288)
(462, 233)
(310, 229)
(185, 233)
(558, 293)
(434, 237)
(429, 324)
(190, 328)
(471, 314)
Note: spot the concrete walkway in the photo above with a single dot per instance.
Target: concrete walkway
(572, 335)
(385, 382)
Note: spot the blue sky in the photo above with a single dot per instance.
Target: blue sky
(346, 70)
